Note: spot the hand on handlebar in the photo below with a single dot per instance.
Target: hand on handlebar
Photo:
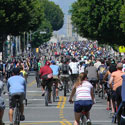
(71, 101)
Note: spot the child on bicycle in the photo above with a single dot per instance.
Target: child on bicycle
(84, 98)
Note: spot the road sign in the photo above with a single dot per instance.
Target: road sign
(122, 49)
(37, 50)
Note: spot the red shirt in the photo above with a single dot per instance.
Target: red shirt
(45, 70)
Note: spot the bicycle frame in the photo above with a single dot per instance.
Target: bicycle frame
(46, 96)
(17, 113)
(83, 119)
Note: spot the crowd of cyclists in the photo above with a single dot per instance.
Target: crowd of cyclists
(86, 69)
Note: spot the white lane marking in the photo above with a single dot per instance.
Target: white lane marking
(51, 106)
(34, 91)
(93, 121)
(30, 99)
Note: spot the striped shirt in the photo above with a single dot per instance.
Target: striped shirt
(83, 92)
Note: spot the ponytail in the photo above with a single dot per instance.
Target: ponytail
(81, 77)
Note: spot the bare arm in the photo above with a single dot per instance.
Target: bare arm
(72, 94)
(92, 95)
(110, 82)
(105, 76)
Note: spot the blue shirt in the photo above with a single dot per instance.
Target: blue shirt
(16, 84)
(55, 69)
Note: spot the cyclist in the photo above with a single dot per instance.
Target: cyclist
(64, 71)
(117, 79)
(75, 69)
(55, 69)
(92, 74)
(101, 72)
(16, 85)
(23, 73)
(44, 72)
(84, 98)
(2, 105)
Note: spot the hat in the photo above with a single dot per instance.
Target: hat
(53, 62)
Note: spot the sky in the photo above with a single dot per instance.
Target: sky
(65, 6)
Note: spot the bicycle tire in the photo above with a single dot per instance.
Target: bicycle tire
(54, 93)
(65, 88)
(83, 120)
(46, 97)
(17, 116)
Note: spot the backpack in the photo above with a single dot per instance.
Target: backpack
(65, 69)
(1, 67)
(35, 67)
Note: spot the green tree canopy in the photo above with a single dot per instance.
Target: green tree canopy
(122, 17)
(98, 20)
(37, 38)
(54, 14)
(19, 16)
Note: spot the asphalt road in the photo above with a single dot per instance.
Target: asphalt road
(57, 113)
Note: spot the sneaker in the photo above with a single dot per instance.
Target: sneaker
(88, 122)
(22, 118)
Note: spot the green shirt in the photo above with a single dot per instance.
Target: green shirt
(39, 65)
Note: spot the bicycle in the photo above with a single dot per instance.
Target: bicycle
(17, 114)
(46, 96)
(54, 92)
(17, 111)
(83, 119)
(65, 79)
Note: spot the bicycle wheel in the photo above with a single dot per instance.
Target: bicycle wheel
(65, 88)
(54, 93)
(83, 120)
(16, 116)
(46, 96)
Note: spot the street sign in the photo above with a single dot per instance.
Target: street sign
(37, 50)
(122, 49)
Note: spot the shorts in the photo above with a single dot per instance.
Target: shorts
(2, 104)
(82, 105)
(47, 83)
(56, 80)
(65, 78)
(12, 99)
(93, 82)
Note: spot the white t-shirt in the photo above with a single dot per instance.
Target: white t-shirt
(74, 67)
(83, 92)
(81, 69)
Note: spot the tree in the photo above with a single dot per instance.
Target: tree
(19, 16)
(122, 17)
(54, 14)
(98, 20)
(37, 38)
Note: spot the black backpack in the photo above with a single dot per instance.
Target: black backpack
(65, 69)
(1, 67)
